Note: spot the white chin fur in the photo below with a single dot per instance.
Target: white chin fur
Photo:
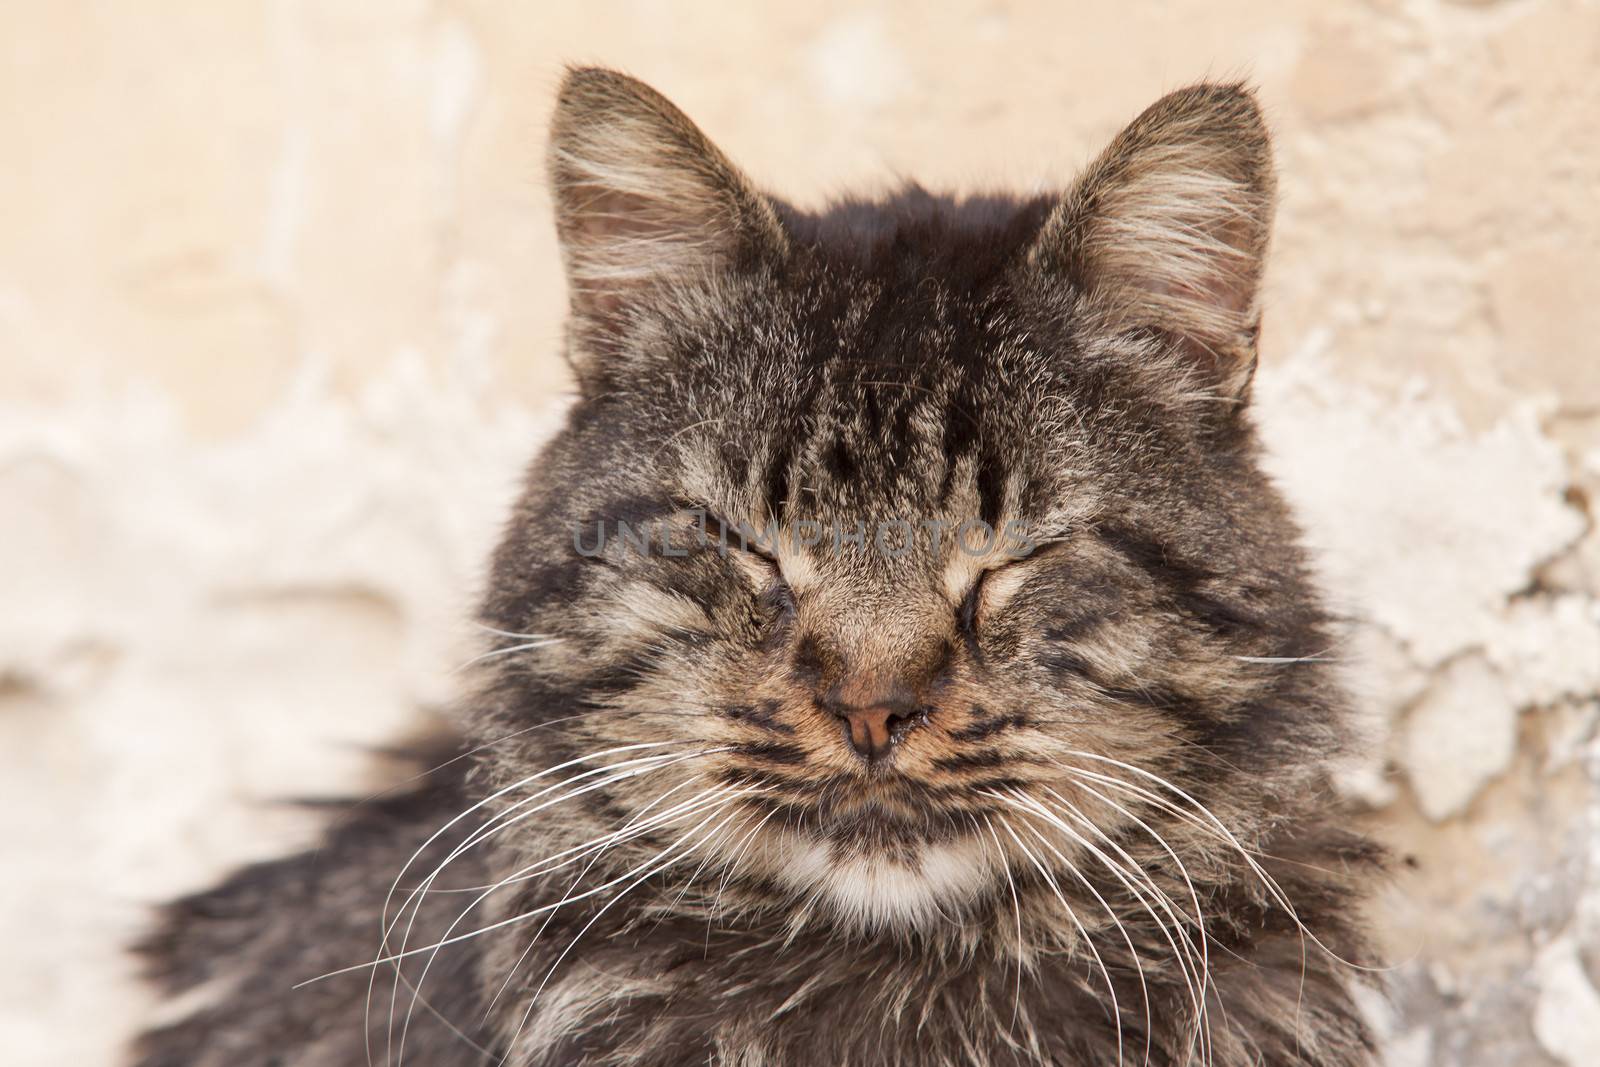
(883, 891)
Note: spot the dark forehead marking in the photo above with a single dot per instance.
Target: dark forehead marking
(914, 234)
(904, 292)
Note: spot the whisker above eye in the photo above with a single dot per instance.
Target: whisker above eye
(495, 653)
(511, 633)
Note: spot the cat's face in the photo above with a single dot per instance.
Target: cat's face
(880, 535)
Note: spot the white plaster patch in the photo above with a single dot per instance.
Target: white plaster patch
(1548, 648)
(1430, 529)
(1565, 1019)
(1459, 737)
(198, 630)
(1433, 533)
(1414, 1048)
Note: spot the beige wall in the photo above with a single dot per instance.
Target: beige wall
(278, 317)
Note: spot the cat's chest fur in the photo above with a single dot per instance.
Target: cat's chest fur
(674, 984)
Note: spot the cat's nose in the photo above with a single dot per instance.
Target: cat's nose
(873, 730)
(875, 716)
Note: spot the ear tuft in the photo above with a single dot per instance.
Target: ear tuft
(1168, 228)
(641, 195)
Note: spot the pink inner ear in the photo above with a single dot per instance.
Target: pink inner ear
(1218, 290)
(1184, 257)
(1168, 228)
(1226, 356)
(619, 241)
(607, 235)
(1228, 278)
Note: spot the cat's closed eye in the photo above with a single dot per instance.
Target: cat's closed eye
(754, 551)
(996, 584)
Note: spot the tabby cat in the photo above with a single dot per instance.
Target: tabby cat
(899, 657)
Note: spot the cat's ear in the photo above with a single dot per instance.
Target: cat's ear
(641, 196)
(1168, 228)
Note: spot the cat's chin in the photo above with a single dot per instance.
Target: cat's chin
(873, 884)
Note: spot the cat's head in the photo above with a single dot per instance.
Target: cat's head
(888, 547)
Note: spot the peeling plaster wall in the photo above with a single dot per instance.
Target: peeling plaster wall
(279, 314)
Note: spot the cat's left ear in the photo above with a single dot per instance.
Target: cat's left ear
(1168, 229)
(642, 197)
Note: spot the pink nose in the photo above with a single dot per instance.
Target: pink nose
(873, 730)
(879, 707)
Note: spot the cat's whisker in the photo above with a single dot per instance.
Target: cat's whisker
(1088, 941)
(429, 964)
(1016, 904)
(423, 887)
(1138, 882)
(628, 832)
(733, 863)
(459, 938)
(502, 739)
(1193, 964)
(566, 857)
(651, 765)
(683, 809)
(636, 826)
(1189, 818)
(1086, 781)
(1183, 871)
(559, 904)
(689, 882)
(1212, 828)
(1221, 834)
(661, 862)
(496, 653)
(383, 921)
(482, 834)
(1029, 806)
(1268, 882)
(446, 1022)
(1181, 919)
(496, 795)
(513, 634)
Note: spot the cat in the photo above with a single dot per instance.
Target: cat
(899, 657)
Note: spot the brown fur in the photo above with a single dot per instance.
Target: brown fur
(1102, 831)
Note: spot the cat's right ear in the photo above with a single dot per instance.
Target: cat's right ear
(642, 197)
